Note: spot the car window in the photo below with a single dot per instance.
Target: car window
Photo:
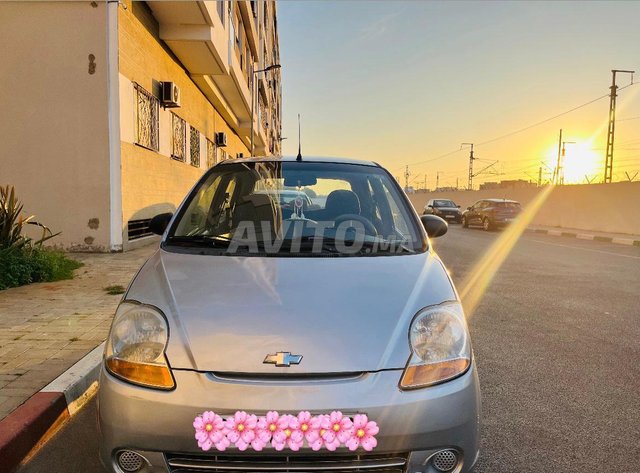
(291, 202)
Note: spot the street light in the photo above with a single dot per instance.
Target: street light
(253, 93)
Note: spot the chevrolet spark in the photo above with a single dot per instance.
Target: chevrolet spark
(294, 319)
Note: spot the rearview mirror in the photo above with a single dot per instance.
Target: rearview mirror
(435, 226)
(159, 223)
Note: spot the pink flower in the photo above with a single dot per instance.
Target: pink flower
(241, 429)
(288, 434)
(314, 436)
(363, 434)
(210, 431)
(337, 430)
(309, 426)
(265, 428)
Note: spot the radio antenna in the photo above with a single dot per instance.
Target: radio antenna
(299, 157)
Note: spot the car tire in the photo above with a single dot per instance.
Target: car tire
(486, 224)
(464, 222)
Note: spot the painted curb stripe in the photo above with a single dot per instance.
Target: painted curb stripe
(25, 426)
(32, 423)
(586, 236)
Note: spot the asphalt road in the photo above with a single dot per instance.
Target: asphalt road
(556, 340)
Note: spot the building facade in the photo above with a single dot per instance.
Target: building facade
(112, 110)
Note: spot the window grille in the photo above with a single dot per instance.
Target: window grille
(211, 153)
(179, 138)
(194, 146)
(223, 155)
(147, 119)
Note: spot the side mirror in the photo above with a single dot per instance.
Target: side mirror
(458, 206)
(430, 206)
(468, 208)
(159, 223)
(435, 226)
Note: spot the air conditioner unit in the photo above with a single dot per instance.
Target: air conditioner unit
(170, 95)
(221, 139)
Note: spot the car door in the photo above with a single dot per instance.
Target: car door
(472, 213)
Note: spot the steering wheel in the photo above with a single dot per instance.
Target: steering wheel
(369, 227)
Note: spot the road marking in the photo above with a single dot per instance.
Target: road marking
(585, 249)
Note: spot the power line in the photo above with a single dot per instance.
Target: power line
(541, 122)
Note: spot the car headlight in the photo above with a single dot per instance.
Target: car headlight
(440, 348)
(136, 344)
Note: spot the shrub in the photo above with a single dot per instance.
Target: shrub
(23, 260)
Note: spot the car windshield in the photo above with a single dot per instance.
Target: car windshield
(297, 208)
(443, 203)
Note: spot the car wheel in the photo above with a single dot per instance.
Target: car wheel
(464, 223)
(486, 224)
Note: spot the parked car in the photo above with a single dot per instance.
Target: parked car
(491, 213)
(444, 208)
(260, 338)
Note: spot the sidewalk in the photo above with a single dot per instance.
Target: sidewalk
(45, 328)
(617, 238)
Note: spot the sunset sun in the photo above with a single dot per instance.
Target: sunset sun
(580, 161)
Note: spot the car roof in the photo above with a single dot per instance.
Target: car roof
(313, 159)
(501, 200)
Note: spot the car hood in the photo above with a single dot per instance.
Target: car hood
(351, 314)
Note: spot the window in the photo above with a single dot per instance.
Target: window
(137, 229)
(223, 155)
(211, 153)
(220, 6)
(178, 138)
(194, 146)
(147, 119)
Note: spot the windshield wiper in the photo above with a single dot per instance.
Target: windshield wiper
(216, 241)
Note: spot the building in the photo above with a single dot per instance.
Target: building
(508, 184)
(112, 110)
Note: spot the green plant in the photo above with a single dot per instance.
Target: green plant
(23, 260)
(12, 223)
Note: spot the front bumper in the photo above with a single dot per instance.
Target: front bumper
(414, 423)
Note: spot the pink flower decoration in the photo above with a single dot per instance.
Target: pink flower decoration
(288, 434)
(241, 429)
(314, 438)
(363, 434)
(265, 428)
(210, 431)
(309, 426)
(337, 430)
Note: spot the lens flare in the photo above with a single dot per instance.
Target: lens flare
(476, 283)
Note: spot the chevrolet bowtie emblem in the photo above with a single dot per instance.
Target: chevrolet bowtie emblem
(283, 359)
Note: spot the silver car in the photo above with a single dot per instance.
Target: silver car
(263, 337)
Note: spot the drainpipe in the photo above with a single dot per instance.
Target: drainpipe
(113, 106)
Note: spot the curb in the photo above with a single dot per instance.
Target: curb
(587, 236)
(32, 423)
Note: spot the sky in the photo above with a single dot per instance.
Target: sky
(405, 83)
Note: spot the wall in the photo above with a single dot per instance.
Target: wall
(53, 126)
(611, 208)
(152, 182)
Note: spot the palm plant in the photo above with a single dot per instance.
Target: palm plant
(12, 222)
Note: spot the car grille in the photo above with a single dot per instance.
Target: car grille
(327, 462)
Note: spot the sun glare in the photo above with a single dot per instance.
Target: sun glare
(580, 163)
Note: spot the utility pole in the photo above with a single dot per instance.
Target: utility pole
(539, 176)
(561, 167)
(608, 166)
(437, 180)
(406, 179)
(425, 182)
(471, 158)
(457, 179)
(556, 171)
